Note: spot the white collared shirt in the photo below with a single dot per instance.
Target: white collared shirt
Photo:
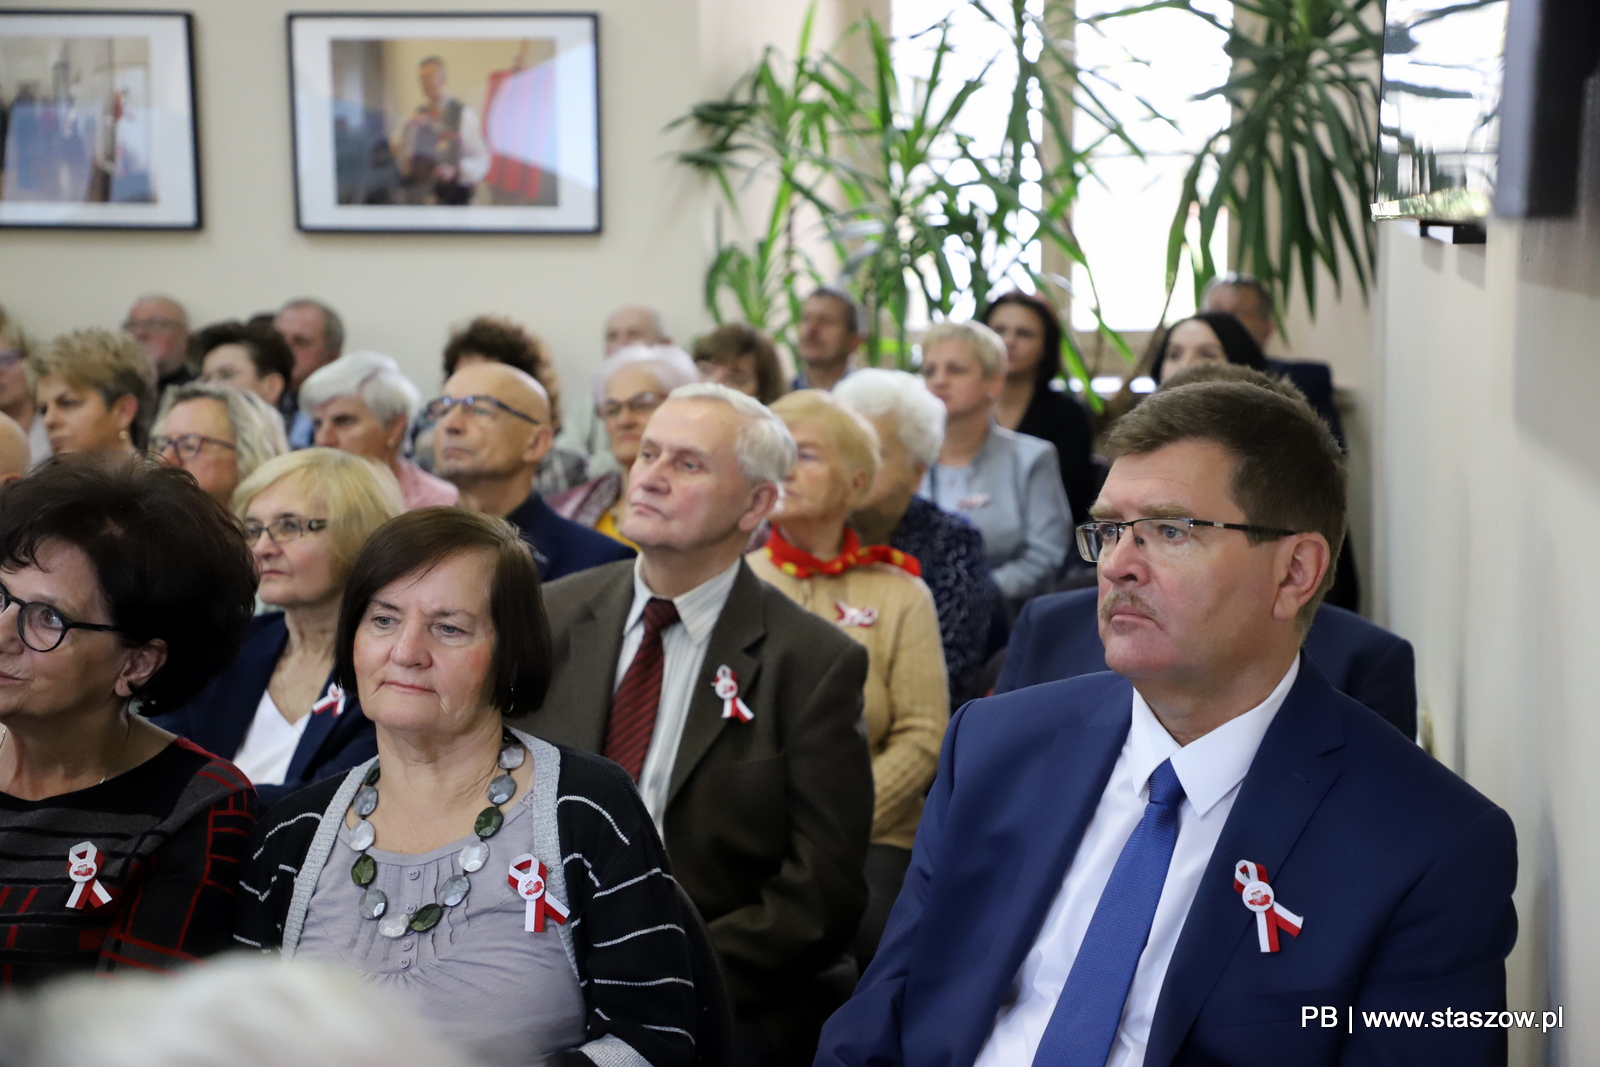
(683, 646)
(1210, 768)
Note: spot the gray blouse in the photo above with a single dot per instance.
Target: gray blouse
(491, 989)
(1012, 493)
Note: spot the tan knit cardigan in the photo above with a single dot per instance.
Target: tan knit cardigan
(907, 703)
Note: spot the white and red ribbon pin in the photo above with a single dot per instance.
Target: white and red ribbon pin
(527, 878)
(727, 689)
(1250, 882)
(83, 864)
(332, 700)
(849, 616)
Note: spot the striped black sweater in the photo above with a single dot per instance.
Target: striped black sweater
(627, 929)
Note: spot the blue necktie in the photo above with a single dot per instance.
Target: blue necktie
(1086, 1015)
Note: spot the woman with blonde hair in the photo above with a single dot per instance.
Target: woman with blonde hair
(220, 435)
(95, 390)
(1006, 484)
(276, 711)
(876, 596)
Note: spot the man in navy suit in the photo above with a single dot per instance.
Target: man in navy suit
(1058, 636)
(1210, 856)
(491, 429)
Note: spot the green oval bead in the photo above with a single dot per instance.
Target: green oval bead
(363, 870)
(489, 822)
(426, 918)
(372, 775)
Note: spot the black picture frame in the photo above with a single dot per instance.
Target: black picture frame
(129, 158)
(381, 145)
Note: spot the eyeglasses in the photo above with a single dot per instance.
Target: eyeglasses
(187, 445)
(152, 325)
(1162, 538)
(282, 531)
(637, 404)
(41, 627)
(482, 407)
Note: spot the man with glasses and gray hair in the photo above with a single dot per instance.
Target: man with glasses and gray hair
(160, 324)
(737, 712)
(1210, 855)
(491, 429)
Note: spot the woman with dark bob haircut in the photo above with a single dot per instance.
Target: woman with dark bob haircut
(122, 582)
(455, 871)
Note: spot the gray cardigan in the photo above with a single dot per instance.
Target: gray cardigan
(1016, 500)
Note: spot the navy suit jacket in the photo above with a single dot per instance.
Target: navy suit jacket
(218, 719)
(1401, 872)
(561, 546)
(1058, 636)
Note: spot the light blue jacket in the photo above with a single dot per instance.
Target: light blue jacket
(1015, 498)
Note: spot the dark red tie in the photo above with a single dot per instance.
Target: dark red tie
(633, 709)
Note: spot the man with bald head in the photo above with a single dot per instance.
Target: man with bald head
(15, 455)
(162, 327)
(634, 324)
(491, 429)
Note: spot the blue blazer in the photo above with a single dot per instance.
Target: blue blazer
(1058, 636)
(218, 719)
(561, 546)
(1401, 871)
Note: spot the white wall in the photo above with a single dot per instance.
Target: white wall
(1488, 468)
(401, 293)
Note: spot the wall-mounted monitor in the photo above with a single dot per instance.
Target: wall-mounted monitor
(1439, 128)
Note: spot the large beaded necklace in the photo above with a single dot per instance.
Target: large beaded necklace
(374, 902)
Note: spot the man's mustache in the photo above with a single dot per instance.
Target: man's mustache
(1122, 600)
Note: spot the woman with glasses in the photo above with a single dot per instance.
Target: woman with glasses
(95, 390)
(123, 589)
(628, 387)
(1006, 484)
(276, 711)
(361, 403)
(219, 435)
(16, 395)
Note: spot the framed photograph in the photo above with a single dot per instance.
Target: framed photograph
(97, 120)
(481, 123)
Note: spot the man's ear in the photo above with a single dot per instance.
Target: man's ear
(762, 500)
(1302, 561)
(539, 444)
(142, 662)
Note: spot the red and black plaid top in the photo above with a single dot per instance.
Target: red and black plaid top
(172, 835)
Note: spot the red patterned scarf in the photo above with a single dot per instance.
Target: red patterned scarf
(797, 564)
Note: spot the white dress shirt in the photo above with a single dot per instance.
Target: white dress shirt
(683, 646)
(1210, 769)
(269, 744)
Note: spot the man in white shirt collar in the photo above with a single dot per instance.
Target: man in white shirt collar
(749, 749)
(1187, 861)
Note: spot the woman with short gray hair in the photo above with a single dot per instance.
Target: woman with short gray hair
(1007, 484)
(361, 404)
(218, 434)
(910, 425)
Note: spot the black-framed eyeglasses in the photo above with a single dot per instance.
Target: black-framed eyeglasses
(138, 325)
(43, 628)
(1165, 537)
(188, 445)
(637, 404)
(282, 531)
(482, 407)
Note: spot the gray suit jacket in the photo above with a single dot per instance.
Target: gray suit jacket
(767, 822)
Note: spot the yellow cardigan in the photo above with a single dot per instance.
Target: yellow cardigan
(907, 705)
